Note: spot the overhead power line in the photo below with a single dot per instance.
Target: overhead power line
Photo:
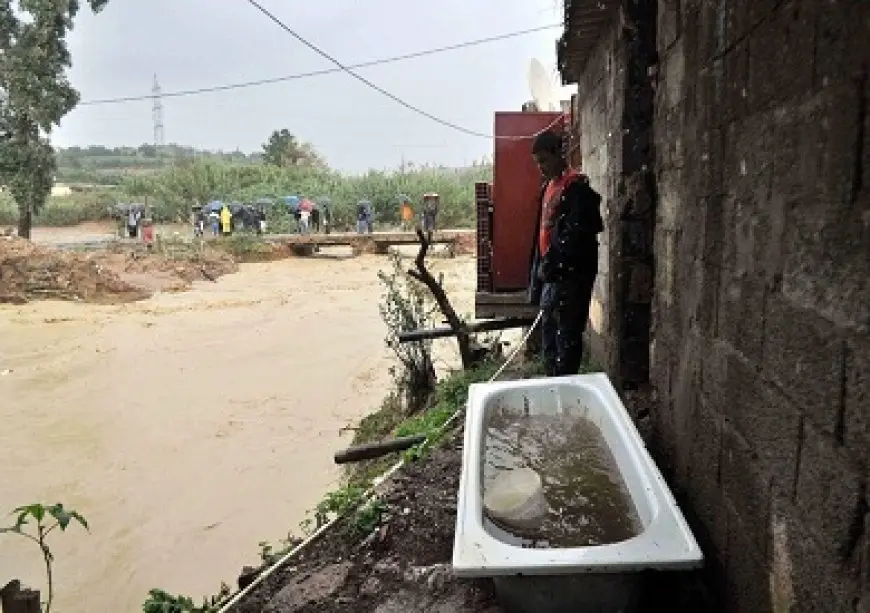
(324, 71)
(381, 90)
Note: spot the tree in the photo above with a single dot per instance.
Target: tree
(35, 95)
(283, 149)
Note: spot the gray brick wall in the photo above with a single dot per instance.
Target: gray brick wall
(762, 297)
(597, 109)
(759, 352)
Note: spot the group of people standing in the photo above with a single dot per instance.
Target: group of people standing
(428, 216)
(223, 221)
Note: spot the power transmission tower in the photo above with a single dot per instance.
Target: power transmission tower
(157, 113)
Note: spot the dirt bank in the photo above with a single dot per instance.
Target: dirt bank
(397, 559)
(119, 274)
(401, 566)
(187, 427)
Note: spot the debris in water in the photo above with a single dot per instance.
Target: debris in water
(588, 502)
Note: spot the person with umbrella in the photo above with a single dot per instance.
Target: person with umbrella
(305, 208)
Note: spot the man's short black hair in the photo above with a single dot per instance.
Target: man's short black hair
(547, 142)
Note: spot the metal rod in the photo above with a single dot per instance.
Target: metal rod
(489, 325)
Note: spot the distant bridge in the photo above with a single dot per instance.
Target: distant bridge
(376, 242)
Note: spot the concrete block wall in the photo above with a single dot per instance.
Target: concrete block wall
(761, 325)
(613, 121)
(597, 111)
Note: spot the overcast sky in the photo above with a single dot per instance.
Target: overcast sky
(200, 43)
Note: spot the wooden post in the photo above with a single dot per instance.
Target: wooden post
(15, 600)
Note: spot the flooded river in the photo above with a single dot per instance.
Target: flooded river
(188, 427)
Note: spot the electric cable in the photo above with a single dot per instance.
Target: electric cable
(323, 71)
(386, 93)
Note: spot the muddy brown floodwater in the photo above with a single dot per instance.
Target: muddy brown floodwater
(190, 426)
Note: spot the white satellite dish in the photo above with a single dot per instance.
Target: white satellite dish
(541, 87)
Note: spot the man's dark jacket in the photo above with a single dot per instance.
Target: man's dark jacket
(573, 252)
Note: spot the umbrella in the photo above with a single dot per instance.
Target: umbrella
(292, 203)
(306, 205)
(264, 202)
(215, 206)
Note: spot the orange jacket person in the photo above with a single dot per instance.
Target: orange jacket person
(407, 215)
(566, 258)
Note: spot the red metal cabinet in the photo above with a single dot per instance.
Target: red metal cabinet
(515, 197)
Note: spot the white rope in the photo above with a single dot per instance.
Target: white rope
(376, 482)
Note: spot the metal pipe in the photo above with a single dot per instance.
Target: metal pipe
(370, 451)
(489, 325)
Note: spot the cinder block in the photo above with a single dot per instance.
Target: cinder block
(668, 23)
(708, 40)
(707, 312)
(749, 487)
(640, 283)
(736, 22)
(671, 88)
(736, 81)
(714, 374)
(797, 137)
(740, 319)
(760, 10)
(819, 581)
(685, 394)
(748, 169)
(765, 58)
(827, 261)
(828, 491)
(838, 111)
(668, 200)
(864, 559)
(856, 422)
(805, 354)
(747, 570)
(781, 50)
(795, 20)
(764, 417)
(704, 489)
(842, 28)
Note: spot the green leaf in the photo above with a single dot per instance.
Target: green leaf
(60, 515)
(78, 517)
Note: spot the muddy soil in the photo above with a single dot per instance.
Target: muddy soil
(402, 566)
(29, 271)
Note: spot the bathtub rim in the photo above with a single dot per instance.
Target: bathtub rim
(666, 543)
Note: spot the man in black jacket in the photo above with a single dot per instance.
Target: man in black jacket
(565, 257)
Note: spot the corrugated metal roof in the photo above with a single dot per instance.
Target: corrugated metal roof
(585, 21)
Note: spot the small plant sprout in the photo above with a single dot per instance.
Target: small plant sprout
(47, 518)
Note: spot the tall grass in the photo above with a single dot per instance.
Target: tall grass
(69, 210)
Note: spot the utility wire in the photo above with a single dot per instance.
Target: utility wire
(317, 73)
(384, 92)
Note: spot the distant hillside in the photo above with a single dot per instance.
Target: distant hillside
(109, 165)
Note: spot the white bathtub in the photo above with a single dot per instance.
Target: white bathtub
(602, 578)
